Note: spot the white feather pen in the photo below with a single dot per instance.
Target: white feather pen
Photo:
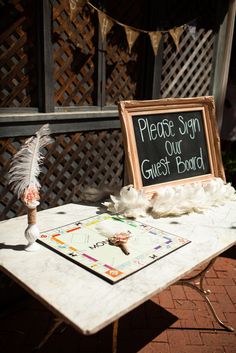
(23, 179)
(25, 166)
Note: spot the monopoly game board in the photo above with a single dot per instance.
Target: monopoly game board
(86, 243)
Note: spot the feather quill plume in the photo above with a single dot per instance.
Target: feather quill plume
(25, 166)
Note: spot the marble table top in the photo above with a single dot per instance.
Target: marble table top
(84, 300)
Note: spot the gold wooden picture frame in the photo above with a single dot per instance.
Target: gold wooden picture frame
(170, 141)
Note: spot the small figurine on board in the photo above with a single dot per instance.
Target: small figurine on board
(23, 178)
(117, 237)
(120, 240)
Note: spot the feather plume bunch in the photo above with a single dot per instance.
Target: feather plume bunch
(172, 200)
(25, 166)
(193, 197)
(131, 202)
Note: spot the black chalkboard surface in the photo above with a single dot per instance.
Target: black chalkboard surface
(170, 141)
(171, 146)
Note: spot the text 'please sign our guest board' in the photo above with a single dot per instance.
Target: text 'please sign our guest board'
(170, 141)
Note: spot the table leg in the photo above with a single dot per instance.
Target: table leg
(114, 336)
(56, 323)
(198, 286)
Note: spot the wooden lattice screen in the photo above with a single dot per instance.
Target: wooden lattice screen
(83, 68)
(187, 72)
(18, 70)
(72, 163)
(74, 53)
(123, 69)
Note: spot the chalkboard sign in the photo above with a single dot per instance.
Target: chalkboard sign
(170, 141)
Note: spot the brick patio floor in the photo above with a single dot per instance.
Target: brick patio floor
(175, 321)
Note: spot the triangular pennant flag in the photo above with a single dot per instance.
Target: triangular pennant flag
(105, 24)
(131, 35)
(73, 6)
(74, 3)
(155, 40)
(176, 34)
(192, 31)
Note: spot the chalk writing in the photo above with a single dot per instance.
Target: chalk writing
(154, 130)
(193, 163)
(156, 169)
(189, 127)
(171, 146)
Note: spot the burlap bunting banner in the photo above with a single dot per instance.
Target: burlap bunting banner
(105, 24)
(155, 38)
(73, 5)
(131, 37)
(176, 34)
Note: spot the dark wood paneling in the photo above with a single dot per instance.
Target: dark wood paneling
(18, 60)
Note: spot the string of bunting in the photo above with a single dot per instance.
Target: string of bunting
(106, 22)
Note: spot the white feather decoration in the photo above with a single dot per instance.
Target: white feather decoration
(23, 178)
(25, 166)
(172, 200)
(194, 197)
(131, 203)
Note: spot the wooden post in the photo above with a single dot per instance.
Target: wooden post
(45, 57)
(223, 53)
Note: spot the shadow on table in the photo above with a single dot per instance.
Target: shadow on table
(18, 247)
